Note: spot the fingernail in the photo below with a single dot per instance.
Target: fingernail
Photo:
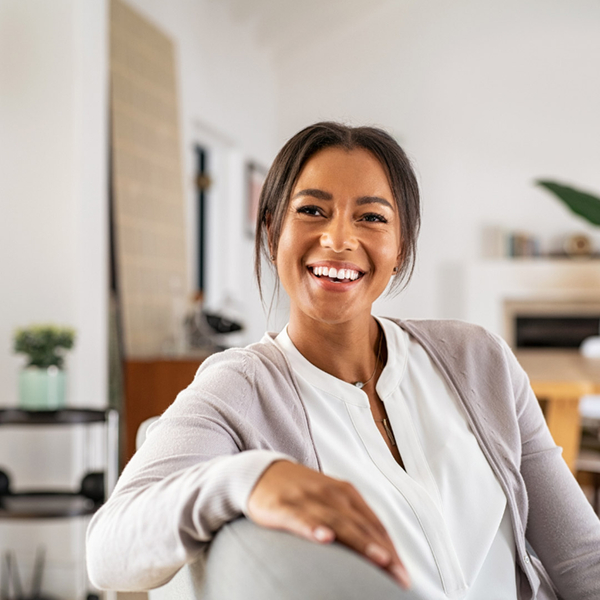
(322, 534)
(401, 575)
(377, 553)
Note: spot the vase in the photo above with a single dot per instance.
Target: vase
(42, 389)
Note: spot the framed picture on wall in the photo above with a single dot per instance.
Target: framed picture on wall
(255, 175)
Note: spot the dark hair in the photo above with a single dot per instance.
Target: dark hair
(284, 172)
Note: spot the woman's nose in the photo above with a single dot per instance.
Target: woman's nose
(338, 235)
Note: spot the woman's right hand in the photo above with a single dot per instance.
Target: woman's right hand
(297, 499)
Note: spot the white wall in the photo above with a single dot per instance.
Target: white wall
(228, 98)
(53, 243)
(53, 181)
(485, 96)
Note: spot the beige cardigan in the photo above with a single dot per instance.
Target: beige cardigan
(242, 411)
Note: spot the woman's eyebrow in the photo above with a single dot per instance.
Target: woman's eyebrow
(315, 193)
(322, 195)
(373, 200)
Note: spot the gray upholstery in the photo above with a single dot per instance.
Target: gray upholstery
(249, 562)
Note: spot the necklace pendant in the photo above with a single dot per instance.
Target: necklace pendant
(359, 385)
(389, 432)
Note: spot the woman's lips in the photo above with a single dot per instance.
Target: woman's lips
(336, 274)
(333, 279)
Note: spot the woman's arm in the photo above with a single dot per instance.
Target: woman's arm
(188, 478)
(562, 528)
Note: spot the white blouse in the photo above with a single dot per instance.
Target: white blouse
(446, 513)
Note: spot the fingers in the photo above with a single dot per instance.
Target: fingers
(376, 543)
(306, 525)
(360, 505)
(351, 530)
(347, 519)
(322, 509)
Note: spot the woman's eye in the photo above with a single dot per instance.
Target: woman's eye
(374, 218)
(309, 210)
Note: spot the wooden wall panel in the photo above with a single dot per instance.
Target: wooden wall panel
(148, 198)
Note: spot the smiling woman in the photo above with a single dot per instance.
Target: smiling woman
(418, 445)
(387, 165)
(331, 224)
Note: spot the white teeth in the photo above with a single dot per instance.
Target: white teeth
(334, 273)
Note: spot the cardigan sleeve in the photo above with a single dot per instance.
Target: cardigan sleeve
(562, 528)
(193, 473)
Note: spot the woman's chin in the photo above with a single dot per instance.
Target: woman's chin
(332, 312)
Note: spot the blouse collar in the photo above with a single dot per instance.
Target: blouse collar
(396, 341)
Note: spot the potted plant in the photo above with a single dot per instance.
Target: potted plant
(42, 381)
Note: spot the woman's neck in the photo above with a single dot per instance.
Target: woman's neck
(348, 351)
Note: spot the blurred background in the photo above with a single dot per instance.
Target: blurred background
(135, 135)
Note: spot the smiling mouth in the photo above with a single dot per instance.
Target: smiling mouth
(336, 275)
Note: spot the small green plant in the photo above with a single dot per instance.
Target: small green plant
(44, 344)
(581, 203)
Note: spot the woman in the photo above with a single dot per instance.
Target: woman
(417, 444)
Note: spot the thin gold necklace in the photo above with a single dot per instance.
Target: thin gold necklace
(361, 384)
(388, 430)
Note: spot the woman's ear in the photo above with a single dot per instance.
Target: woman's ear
(398, 262)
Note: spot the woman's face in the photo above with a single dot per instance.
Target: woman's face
(340, 239)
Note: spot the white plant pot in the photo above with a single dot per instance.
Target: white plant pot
(42, 389)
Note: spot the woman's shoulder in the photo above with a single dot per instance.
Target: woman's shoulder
(449, 331)
(247, 359)
(474, 357)
(237, 381)
(460, 346)
(258, 364)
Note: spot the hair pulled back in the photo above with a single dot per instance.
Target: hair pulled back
(286, 168)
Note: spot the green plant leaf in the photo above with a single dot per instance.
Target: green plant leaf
(44, 344)
(581, 203)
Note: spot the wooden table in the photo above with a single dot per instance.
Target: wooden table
(559, 378)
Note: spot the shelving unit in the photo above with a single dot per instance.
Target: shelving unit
(27, 505)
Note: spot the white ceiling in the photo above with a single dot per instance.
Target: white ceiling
(283, 25)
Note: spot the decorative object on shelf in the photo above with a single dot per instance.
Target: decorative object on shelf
(42, 381)
(214, 329)
(205, 328)
(523, 244)
(578, 245)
